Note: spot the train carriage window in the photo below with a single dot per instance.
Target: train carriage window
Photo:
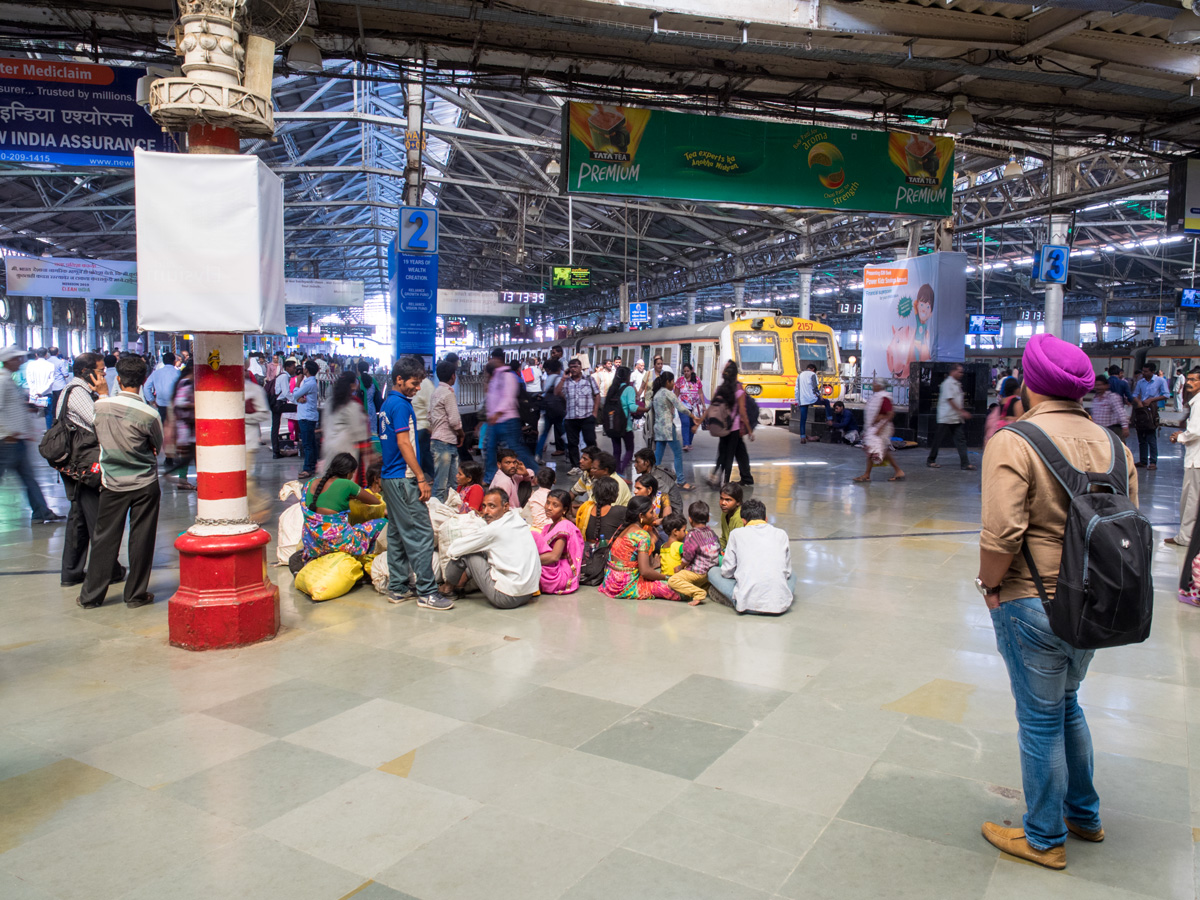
(666, 355)
(758, 352)
(813, 348)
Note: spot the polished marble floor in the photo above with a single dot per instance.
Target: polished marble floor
(585, 748)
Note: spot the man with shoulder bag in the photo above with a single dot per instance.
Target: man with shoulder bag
(78, 403)
(1065, 568)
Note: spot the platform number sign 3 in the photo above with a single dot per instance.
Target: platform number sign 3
(1055, 259)
(418, 229)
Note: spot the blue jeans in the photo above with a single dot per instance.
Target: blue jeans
(410, 538)
(507, 433)
(677, 449)
(686, 422)
(308, 444)
(14, 456)
(445, 467)
(1056, 746)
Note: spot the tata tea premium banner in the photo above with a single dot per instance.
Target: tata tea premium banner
(648, 153)
(75, 114)
(914, 311)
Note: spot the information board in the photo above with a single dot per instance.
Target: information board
(570, 277)
(983, 324)
(639, 313)
(75, 114)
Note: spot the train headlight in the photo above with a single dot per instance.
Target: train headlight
(784, 321)
(754, 389)
(827, 390)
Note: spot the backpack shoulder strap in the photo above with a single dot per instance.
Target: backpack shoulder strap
(1073, 481)
(1118, 468)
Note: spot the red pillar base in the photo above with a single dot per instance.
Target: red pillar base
(225, 598)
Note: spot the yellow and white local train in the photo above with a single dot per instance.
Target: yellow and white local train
(770, 349)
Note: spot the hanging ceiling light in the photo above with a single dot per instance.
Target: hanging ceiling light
(1185, 27)
(960, 120)
(304, 55)
(1013, 169)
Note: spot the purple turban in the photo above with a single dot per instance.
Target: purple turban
(1053, 367)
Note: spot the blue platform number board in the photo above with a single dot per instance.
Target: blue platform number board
(639, 313)
(413, 281)
(1053, 262)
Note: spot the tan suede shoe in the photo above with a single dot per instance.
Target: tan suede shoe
(1012, 841)
(1094, 836)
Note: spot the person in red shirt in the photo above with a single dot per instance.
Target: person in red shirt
(470, 484)
(877, 437)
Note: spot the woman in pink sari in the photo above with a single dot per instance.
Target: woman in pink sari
(561, 547)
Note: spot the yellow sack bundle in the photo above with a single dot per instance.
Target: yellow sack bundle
(329, 576)
(361, 512)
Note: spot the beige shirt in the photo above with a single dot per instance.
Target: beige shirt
(1022, 500)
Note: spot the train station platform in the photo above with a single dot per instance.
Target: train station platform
(582, 747)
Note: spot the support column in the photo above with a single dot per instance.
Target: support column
(1059, 224)
(48, 325)
(691, 308)
(805, 293)
(90, 341)
(654, 314)
(739, 293)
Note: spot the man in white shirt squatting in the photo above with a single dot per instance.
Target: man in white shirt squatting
(501, 557)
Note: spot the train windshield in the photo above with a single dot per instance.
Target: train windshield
(757, 352)
(813, 348)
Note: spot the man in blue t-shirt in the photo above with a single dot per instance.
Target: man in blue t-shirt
(406, 490)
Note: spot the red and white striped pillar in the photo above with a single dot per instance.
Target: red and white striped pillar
(225, 598)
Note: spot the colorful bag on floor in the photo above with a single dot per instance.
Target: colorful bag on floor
(330, 576)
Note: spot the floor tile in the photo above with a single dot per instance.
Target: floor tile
(1016, 880)
(860, 729)
(82, 726)
(253, 866)
(174, 750)
(718, 701)
(854, 862)
(45, 799)
(604, 815)
(616, 777)
(665, 743)
(494, 855)
(481, 763)
(374, 732)
(930, 805)
(13, 888)
(19, 755)
(1144, 788)
(376, 673)
(461, 693)
(713, 852)
(805, 776)
(263, 784)
(624, 873)
(558, 717)
(728, 812)
(90, 858)
(632, 681)
(283, 708)
(957, 750)
(380, 818)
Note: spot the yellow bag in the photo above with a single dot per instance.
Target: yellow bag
(584, 514)
(329, 576)
(361, 512)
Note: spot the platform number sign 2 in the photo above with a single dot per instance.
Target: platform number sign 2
(1053, 262)
(418, 229)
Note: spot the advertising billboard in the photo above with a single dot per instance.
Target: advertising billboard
(650, 153)
(914, 311)
(988, 325)
(570, 277)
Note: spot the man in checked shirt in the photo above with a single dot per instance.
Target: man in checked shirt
(1108, 409)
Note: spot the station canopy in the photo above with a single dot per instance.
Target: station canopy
(1077, 105)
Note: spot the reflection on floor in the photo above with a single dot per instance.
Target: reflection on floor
(585, 748)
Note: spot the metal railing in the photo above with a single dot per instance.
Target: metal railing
(857, 388)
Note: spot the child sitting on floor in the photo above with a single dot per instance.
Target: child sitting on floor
(534, 511)
(675, 527)
(731, 510)
(699, 553)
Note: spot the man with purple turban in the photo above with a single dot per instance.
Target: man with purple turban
(1024, 504)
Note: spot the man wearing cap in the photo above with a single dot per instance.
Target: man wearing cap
(15, 428)
(1023, 503)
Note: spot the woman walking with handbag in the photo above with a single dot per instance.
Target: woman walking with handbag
(691, 392)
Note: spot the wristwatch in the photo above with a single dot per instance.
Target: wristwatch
(984, 589)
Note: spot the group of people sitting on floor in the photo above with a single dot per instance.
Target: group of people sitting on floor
(526, 536)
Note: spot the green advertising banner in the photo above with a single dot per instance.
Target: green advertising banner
(647, 153)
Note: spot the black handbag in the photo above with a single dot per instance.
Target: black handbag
(72, 451)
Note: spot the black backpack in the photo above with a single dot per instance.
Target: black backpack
(1105, 594)
(616, 423)
(751, 412)
(71, 450)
